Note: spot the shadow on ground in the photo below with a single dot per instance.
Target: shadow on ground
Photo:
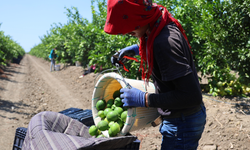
(11, 107)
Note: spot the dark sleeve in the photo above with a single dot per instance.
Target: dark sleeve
(170, 54)
(186, 94)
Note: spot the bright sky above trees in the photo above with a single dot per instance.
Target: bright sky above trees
(25, 21)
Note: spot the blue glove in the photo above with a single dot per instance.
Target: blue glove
(132, 97)
(130, 51)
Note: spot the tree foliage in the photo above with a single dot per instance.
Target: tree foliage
(218, 32)
(9, 49)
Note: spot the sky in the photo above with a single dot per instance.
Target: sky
(27, 20)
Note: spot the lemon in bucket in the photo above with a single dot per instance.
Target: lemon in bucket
(129, 119)
(124, 116)
(119, 110)
(115, 128)
(93, 130)
(101, 104)
(110, 103)
(116, 94)
(106, 111)
(118, 101)
(103, 125)
(112, 116)
(101, 114)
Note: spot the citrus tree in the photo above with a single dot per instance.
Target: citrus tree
(218, 32)
(9, 49)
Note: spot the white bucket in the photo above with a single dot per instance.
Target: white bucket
(138, 117)
(57, 67)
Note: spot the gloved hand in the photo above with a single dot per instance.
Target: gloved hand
(130, 51)
(132, 97)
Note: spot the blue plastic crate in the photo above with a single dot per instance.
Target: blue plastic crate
(19, 138)
(70, 111)
(84, 116)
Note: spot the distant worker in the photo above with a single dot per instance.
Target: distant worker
(92, 68)
(52, 57)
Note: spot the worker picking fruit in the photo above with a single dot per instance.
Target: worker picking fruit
(166, 58)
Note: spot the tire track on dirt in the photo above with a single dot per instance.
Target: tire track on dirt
(18, 75)
(10, 102)
(55, 84)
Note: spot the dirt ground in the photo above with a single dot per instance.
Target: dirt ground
(29, 88)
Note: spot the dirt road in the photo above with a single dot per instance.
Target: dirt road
(32, 88)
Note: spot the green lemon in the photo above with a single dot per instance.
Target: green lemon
(99, 136)
(110, 133)
(124, 116)
(116, 94)
(113, 107)
(119, 110)
(110, 102)
(118, 102)
(102, 125)
(120, 122)
(112, 116)
(106, 111)
(106, 120)
(101, 114)
(100, 104)
(115, 128)
(110, 123)
(93, 130)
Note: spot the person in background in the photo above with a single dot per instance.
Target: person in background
(52, 58)
(166, 57)
(92, 68)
